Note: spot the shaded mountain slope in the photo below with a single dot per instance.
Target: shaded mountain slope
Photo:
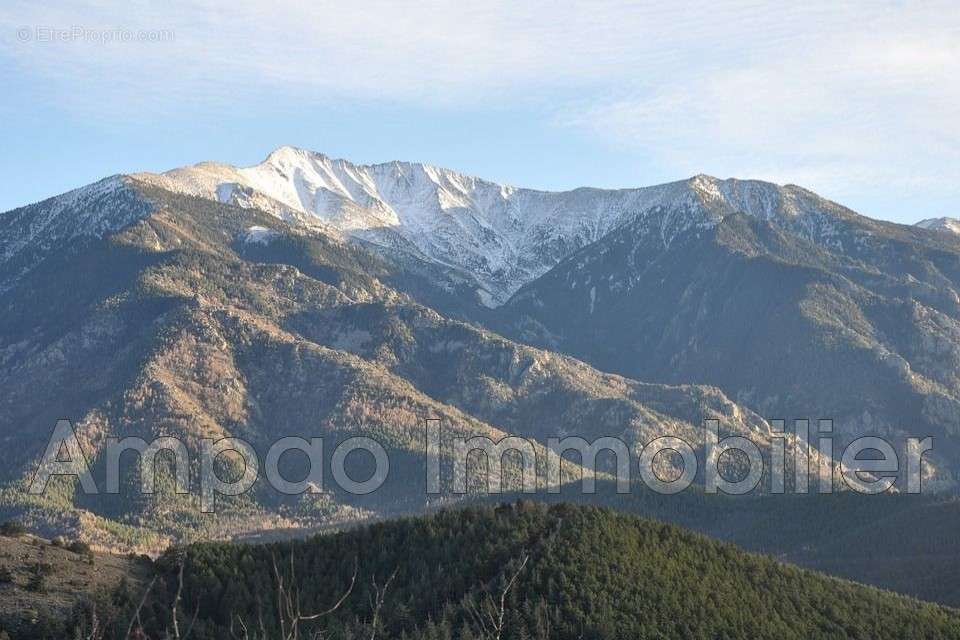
(205, 320)
(866, 335)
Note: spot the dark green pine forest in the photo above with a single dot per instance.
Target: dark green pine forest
(514, 571)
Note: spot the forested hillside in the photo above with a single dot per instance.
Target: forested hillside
(905, 543)
(524, 570)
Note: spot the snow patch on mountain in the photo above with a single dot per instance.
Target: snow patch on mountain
(504, 236)
(260, 235)
(45, 218)
(948, 225)
(93, 211)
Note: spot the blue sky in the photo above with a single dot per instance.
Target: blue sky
(856, 101)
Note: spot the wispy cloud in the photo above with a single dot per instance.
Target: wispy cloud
(867, 104)
(835, 94)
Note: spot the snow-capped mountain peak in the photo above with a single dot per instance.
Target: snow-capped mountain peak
(501, 236)
(948, 225)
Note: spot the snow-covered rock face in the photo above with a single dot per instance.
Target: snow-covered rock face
(78, 212)
(503, 236)
(260, 235)
(92, 211)
(948, 225)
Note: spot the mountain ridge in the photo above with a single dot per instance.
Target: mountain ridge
(179, 324)
(789, 228)
(503, 236)
(497, 236)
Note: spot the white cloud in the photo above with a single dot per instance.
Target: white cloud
(841, 93)
(433, 51)
(866, 102)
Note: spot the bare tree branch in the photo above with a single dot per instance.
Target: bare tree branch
(193, 620)
(490, 615)
(379, 595)
(246, 634)
(136, 615)
(176, 601)
(343, 598)
(289, 613)
(503, 596)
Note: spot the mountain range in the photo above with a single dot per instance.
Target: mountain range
(313, 296)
